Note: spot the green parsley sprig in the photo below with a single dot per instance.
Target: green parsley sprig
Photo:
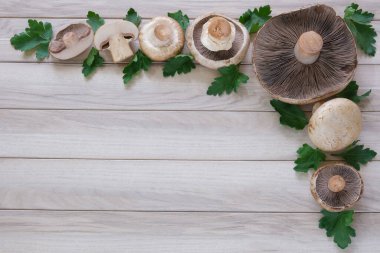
(140, 62)
(94, 20)
(92, 62)
(254, 19)
(181, 18)
(133, 16)
(308, 158)
(179, 64)
(351, 92)
(290, 115)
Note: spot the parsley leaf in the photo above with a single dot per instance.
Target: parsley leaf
(94, 20)
(291, 115)
(359, 24)
(181, 18)
(92, 61)
(308, 158)
(133, 17)
(229, 80)
(351, 92)
(356, 155)
(254, 20)
(179, 64)
(140, 62)
(338, 224)
(37, 36)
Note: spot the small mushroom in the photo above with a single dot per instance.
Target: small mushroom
(71, 40)
(335, 125)
(116, 37)
(305, 56)
(216, 41)
(161, 38)
(336, 186)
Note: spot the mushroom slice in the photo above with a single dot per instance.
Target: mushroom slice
(71, 40)
(216, 41)
(161, 38)
(305, 56)
(336, 186)
(335, 125)
(116, 37)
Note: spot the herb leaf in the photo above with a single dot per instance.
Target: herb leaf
(92, 61)
(179, 64)
(291, 115)
(229, 81)
(308, 158)
(140, 62)
(181, 18)
(356, 155)
(94, 20)
(254, 20)
(351, 92)
(133, 17)
(359, 24)
(338, 224)
(37, 36)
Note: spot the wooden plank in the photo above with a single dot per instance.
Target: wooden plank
(17, 25)
(253, 186)
(96, 232)
(62, 86)
(148, 8)
(156, 135)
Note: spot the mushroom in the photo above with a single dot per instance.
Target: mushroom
(336, 186)
(335, 125)
(305, 56)
(115, 38)
(216, 41)
(71, 40)
(161, 38)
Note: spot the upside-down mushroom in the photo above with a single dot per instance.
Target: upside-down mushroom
(304, 56)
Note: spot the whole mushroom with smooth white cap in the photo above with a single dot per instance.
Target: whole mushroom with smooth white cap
(305, 56)
(71, 40)
(335, 125)
(161, 38)
(336, 187)
(116, 37)
(217, 41)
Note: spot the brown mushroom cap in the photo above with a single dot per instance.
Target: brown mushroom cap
(217, 59)
(71, 40)
(336, 186)
(287, 40)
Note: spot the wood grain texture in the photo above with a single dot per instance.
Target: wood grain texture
(256, 186)
(98, 232)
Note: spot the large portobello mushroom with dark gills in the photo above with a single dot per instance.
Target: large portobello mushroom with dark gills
(217, 41)
(305, 56)
(336, 187)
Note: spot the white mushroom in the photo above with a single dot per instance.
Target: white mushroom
(218, 34)
(335, 125)
(71, 40)
(116, 37)
(161, 38)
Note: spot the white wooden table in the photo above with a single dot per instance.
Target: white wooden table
(91, 166)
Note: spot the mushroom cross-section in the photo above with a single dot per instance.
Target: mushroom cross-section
(71, 40)
(304, 56)
(161, 38)
(216, 41)
(115, 37)
(336, 186)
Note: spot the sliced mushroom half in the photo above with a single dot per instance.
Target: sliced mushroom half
(305, 56)
(336, 187)
(71, 40)
(115, 37)
(216, 41)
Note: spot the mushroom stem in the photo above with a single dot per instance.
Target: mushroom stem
(336, 183)
(218, 34)
(120, 48)
(308, 47)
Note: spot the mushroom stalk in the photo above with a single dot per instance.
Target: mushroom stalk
(119, 47)
(308, 47)
(336, 183)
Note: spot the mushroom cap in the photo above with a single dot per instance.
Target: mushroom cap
(162, 38)
(284, 76)
(335, 125)
(344, 194)
(71, 40)
(217, 59)
(106, 31)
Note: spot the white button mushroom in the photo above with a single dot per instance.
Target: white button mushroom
(335, 125)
